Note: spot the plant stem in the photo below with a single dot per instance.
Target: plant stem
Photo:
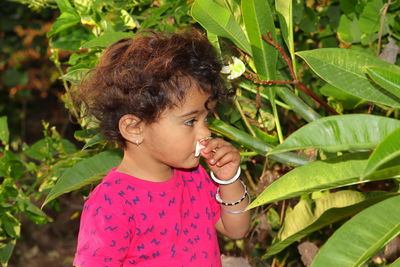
(382, 22)
(294, 77)
(56, 61)
(250, 179)
(276, 116)
(246, 122)
(250, 89)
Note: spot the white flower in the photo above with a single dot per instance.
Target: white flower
(235, 69)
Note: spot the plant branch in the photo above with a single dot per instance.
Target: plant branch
(280, 49)
(382, 22)
(294, 77)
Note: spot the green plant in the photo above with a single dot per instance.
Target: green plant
(276, 95)
(25, 177)
(342, 144)
(76, 39)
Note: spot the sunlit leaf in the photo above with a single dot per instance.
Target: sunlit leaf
(106, 39)
(10, 224)
(4, 133)
(307, 217)
(369, 231)
(254, 143)
(339, 133)
(388, 149)
(98, 138)
(257, 17)
(322, 175)
(74, 76)
(285, 14)
(389, 80)
(220, 22)
(85, 172)
(6, 251)
(344, 68)
(370, 16)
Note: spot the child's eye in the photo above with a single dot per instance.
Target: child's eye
(190, 123)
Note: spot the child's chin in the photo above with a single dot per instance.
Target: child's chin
(190, 165)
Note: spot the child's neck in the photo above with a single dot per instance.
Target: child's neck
(137, 166)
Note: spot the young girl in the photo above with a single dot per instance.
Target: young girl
(159, 207)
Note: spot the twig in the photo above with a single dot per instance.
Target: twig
(246, 122)
(280, 49)
(282, 215)
(382, 21)
(295, 81)
(303, 88)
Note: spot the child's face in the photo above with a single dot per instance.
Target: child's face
(172, 139)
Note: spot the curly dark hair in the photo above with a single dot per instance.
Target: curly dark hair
(146, 75)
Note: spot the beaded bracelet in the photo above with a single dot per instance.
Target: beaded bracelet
(238, 211)
(220, 201)
(230, 181)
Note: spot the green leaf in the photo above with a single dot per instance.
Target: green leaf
(370, 17)
(348, 30)
(4, 133)
(344, 68)
(395, 263)
(85, 172)
(339, 133)
(213, 38)
(98, 138)
(32, 211)
(389, 80)
(6, 251)
(309, 20)
(64, 6)
(128, 20)
(254, 143)
(11, 225)
(74, 76)
(106, 39)
(303, 219)
(257, 17)
(322, 175)
(348, 101)
(297, 104)
(386, 150)
(348, 6)
(368, 231)
(40, 150)
(65, 21)
(71, 39)
(68, 18)
(14, 76)
(218, 20)
(285, 15)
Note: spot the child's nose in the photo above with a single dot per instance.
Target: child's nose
(204, 132)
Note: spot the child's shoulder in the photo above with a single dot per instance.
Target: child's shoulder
(110, 185)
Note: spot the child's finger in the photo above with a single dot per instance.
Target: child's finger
(227, 158)
(214, 144)
(218, 154)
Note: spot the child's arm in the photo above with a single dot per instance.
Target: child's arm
(223, 160)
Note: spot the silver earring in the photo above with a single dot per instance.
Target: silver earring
(137, 142)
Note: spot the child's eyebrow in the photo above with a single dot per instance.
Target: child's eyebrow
(193, 112)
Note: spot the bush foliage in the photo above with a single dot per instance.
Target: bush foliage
(316, 119)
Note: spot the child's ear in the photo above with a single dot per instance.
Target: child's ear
(131, 128)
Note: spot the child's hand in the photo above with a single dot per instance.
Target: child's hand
(222, 158)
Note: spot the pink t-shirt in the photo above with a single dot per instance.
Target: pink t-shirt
(131, 222)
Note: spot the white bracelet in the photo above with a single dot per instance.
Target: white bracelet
(230, 181)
